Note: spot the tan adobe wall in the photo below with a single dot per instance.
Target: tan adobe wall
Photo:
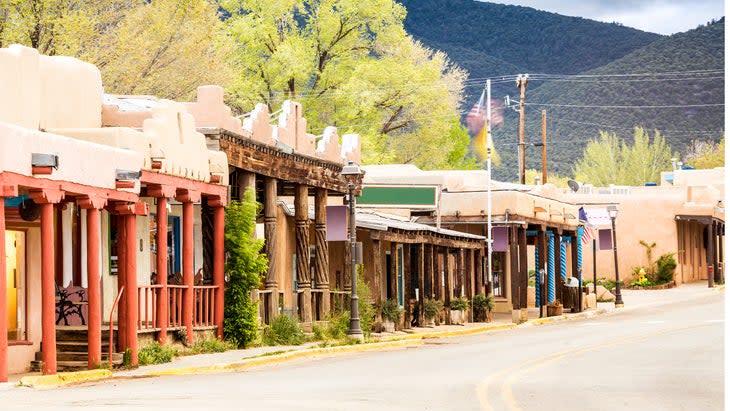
(78, 161)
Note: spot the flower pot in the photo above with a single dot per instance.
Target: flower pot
(457, 317)
(553, 310)
(430, 322)
(388, 326)
(490, 316)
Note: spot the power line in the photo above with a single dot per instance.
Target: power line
(626, 106)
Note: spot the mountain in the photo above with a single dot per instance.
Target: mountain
(684, 71)
(574, 63)
(490, 39)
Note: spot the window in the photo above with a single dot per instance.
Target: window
(499, 262)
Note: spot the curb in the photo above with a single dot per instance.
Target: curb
(566, 317)
(64, 378)
(279, 358)
(452, 333)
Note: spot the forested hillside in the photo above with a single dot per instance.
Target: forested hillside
(491, 39)
(677, 88)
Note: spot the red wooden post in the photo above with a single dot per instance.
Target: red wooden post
(218, 266)
(130, 222)
(94, 278)
(161, 267)
(48, 290)
(187, 256)
(3, 297)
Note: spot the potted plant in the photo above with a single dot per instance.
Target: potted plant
(458, 308)
(483, 307)
(431, 310)
(391, 313)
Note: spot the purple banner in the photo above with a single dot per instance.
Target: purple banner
(336, 223)
(604, 239)
(500, 238)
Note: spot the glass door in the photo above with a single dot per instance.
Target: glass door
(15, 280)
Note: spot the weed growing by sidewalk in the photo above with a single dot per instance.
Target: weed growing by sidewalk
(156, 354)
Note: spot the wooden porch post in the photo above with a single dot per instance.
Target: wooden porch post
(272, 304)
(428, 272)
(407, 275)
(459, 283)
(92, 205)
(246, 179)
(394, 270)
(574, 265)
(421, 283)
(187, 264)
(514, 268)
(3, 299)
(46, 199)
(162, 193)
(715, 252)
(377, 277)
(558, 279)
(304, 282)
(448, 292)
(542, 265)
(219, 223)
(478, 272)
(321, 249)
(130, 292)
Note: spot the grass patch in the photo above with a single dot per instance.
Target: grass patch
(156, 354)
(208, 346)
(283, 330)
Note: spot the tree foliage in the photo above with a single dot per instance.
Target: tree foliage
(611, 161)
(352, 65)
(245, 267)
(706, 154)
(162, 47)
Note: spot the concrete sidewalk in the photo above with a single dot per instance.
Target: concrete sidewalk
(258, 356)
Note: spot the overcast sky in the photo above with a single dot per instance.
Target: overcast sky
(656, 16)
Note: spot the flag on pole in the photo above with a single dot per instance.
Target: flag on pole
(587, 230)
(476, 123)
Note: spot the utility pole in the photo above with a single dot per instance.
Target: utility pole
(522, 84)
(544, 147)
(488, 281)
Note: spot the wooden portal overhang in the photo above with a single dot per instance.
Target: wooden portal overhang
(427, 237)
(11, 183)
(251, 155)
(522, 221)
(166, 185)
(703, 219)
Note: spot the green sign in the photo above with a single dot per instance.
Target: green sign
(398, 196)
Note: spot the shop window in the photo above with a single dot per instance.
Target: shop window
(499, 262)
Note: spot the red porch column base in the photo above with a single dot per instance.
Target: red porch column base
(3, 297)
(218, 269)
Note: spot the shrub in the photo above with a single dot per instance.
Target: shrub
(245, 266)
(665, 268)
(461, 304)
(432, 308)
(338, 325)
(365, 307)
(391, 311)
(283, 330)
(319, 332)
(156, 354)
(482, 302)
(209, 346)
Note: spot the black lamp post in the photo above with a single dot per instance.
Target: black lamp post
(352, 173)
(613, 213)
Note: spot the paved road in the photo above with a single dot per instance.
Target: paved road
(667, 357)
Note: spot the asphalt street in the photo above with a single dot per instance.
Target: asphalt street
(664, 357)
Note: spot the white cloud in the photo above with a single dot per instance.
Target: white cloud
(657, 16)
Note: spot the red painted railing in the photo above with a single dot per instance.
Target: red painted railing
(175, 294)
(111, 326)
(147, 305)
(204, 305)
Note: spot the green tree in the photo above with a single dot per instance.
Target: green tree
(612, 161)
(557, 179)
(352, 65)
(162, 47)
(245, 267)
(706, 154)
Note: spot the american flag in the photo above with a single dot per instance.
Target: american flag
(587, 235)
(587, 230)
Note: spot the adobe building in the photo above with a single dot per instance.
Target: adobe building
(684, 215)
(532, 227)
(87, 204)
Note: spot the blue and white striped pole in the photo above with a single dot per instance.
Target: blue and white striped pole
(563, 258)
(551, 268)
(537, 277)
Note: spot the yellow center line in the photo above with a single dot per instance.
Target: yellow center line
(513, 372)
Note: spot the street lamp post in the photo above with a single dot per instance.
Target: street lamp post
(351, 172)
(613, 212)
